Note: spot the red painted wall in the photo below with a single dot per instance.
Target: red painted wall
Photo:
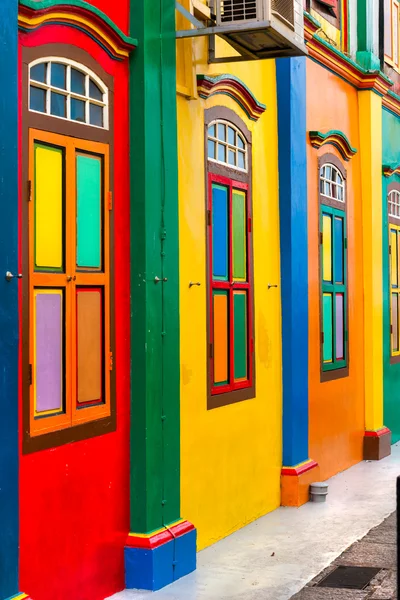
(74, 499)
(118, 11)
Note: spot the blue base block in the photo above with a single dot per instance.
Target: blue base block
(154, 569)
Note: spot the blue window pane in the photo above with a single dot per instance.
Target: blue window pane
(58, 105)
(77, 110)
(38, 99)
(78, 82)
(241, 163)
(58, 75)
(221, 153)
(96, 115)
(39, 72)
(231, 157)
(211, 149)
(240, 142)
(231, 136)
(211, 131)
(221, 131)
(220, 229)
(338, 250)
(94, 91)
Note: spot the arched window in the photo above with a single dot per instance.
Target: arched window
(331, 183)
(393, 203)
(226, 145)
(67, 90)
(229, 258)
(333, 265)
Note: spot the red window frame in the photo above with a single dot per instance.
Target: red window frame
(230, 286)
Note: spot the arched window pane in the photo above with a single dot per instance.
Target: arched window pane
(77, 82)
(77, 110)
(394, 204)
(38, 99)
(83, 98)
(96, 115)
(331, 183)
(58, 105)
(226, 145)
(94, 91)
(39, 72)
(58, 76)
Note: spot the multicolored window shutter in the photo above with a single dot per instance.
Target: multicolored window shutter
(69, 282)
(334, 288)
(394, 254)
(392, 33)
(231, 343)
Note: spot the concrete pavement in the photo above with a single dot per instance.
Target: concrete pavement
(274, 557)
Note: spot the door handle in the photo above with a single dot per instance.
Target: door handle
(10, 276)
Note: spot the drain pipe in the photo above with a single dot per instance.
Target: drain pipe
(318, 491)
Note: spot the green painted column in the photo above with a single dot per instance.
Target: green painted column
(155, 477)
(368, 34)
(161, 547)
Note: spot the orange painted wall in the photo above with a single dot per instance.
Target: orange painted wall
(336, 408)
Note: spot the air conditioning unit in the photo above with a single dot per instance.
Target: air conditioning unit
(261, 28)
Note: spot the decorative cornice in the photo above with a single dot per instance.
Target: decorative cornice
(80, 15)
(392, 102)
(336, 138)
(340, 64)
(389, 171)
(235, 88)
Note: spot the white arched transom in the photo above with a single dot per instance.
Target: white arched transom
(68, 90)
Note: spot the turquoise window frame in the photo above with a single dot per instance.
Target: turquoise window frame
(334, 289)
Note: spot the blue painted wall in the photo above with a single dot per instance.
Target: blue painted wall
(291, 89)
(8, 300)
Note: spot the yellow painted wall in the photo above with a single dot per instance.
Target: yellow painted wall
(230, 456)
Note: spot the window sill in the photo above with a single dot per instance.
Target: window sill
(218, 400)
(334, 374)
(68, 435)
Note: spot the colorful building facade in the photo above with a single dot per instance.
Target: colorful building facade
(199, 311)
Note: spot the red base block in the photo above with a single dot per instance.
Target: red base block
(159, 558)
(295, 482)
(159, 537)
(377, 444)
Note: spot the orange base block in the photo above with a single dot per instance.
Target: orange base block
(295, 483)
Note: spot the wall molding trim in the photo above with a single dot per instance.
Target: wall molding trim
(78, 14)
(233, 87)
(335, 138)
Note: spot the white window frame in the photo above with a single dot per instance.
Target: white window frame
(331, 182)
(393, 205)
(67, 92)
(228, 146)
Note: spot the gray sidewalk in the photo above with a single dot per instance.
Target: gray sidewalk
(374, 552)
(277, 555)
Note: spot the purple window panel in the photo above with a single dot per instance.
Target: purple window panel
(49, 355)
